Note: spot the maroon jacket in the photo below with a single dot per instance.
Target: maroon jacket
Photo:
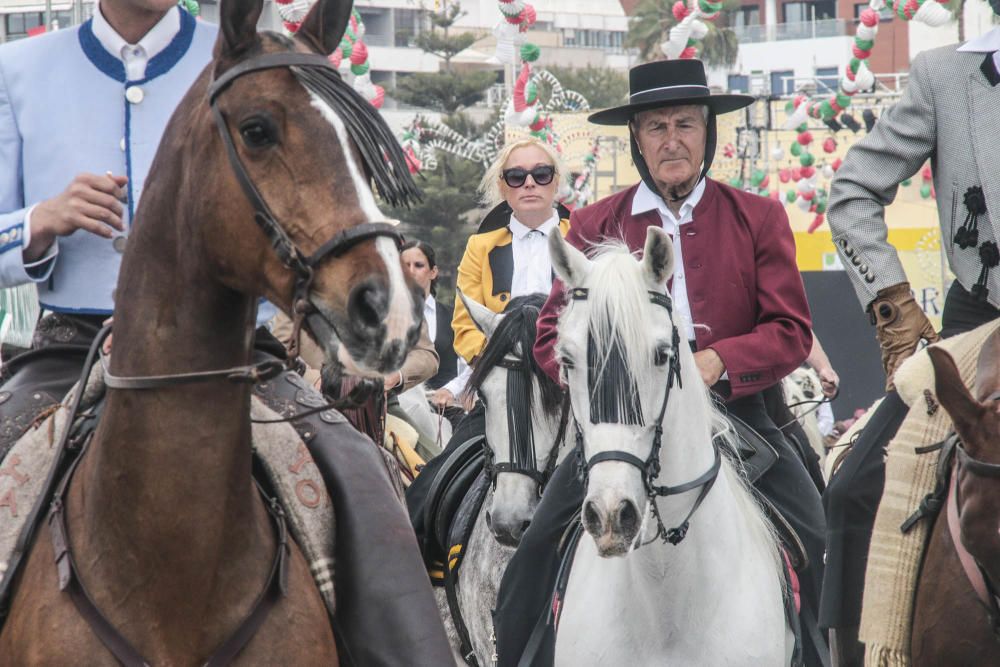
(742, 281)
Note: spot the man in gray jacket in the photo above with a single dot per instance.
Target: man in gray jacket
(950, 115)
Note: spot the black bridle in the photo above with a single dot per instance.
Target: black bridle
(650, 467)
(521, 432)
(284, 247)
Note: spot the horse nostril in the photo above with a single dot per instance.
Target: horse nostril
(368, 305)
(591, 518)
(524, 527)
(628, 517)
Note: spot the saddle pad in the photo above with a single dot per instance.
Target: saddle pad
(894, 557)
(465, 520)
(303, 495)
(445, 494)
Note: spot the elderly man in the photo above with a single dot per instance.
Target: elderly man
(745, 314)
(949, 114)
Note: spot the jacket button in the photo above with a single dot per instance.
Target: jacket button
(503, 297)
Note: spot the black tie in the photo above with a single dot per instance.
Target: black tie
(989, 68)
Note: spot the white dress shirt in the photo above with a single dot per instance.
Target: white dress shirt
(430, 316)
(646, 200)
(532, 265)
(987, 43)
(137, 56)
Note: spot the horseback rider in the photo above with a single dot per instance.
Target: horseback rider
(745, 314)
(951, 96)
(68, 191)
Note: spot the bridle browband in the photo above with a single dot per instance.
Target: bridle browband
(650, 467)
(284, 247)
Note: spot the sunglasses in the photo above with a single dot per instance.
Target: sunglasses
(516, 177)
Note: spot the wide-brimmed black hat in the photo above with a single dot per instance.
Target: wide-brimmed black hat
(668, 83)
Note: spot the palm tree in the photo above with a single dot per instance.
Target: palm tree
(650, 24)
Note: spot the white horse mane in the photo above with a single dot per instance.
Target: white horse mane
(619, 309)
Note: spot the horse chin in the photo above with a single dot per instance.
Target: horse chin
(612, 546)
(357, 357)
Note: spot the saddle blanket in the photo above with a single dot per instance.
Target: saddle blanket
(293, 476)
(894, 556)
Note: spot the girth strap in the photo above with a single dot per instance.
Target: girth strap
(121, 648)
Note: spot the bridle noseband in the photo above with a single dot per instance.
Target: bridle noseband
(650, 467)
(284, 247)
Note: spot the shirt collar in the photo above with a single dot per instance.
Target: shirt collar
(153, 42)
(519, 230)
(647, 200)
(987, 43)
(430, 303)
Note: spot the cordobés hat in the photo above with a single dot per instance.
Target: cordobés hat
(668, 83)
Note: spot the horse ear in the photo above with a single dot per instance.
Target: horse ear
(485, 319)
(658, 256)
(238, 28)
(571, 265)
(954, 396)
(988, 367)
(324, 25)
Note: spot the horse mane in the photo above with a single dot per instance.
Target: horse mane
(518, 327)
(380, 151)
(620, 317)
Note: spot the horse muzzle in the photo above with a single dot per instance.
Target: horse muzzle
(614, 529)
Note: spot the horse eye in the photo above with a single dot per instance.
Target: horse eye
(661, 356)
(566, 362)
(258, 132)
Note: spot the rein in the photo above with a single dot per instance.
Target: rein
(650, 467)
(980, 580)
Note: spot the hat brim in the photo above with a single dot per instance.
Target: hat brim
(717, 103)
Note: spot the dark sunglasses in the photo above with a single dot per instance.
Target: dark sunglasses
(516, 177)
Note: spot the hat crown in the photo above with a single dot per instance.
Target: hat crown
(662, 73)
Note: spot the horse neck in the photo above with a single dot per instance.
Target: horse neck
(179, 457)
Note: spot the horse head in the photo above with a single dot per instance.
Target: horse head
(290, 151)
(977, 423)
(622, 358)
(524, 423)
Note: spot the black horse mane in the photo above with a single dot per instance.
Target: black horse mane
(382, 154)
(518, 326)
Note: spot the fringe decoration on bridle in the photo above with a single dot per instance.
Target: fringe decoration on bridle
(614, 394)
(967, 236)
(522, 435)
(382, 154)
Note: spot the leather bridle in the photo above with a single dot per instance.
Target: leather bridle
(650, 467)
(984, 587)
(284, 247)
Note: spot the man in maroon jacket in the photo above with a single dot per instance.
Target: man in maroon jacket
(738, 290)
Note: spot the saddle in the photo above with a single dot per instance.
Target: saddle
(445, 497)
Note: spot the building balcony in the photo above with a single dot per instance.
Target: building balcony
(752, 34)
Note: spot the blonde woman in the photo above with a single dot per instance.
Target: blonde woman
(512, 260)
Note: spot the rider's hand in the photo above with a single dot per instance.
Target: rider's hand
(91, 202)
(900, 325)
(393, 380)
(829, 382)
(709, 365)
(442, 398)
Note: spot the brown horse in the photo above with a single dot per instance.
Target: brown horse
(170, 536)
(953, 623)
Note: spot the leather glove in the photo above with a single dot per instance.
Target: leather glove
(900, 324)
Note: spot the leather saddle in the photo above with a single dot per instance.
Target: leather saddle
(445, 495)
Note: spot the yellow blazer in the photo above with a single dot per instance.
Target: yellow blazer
(485, 274)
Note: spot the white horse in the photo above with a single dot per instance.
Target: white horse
(525, 426)
(715, 595)
(802, 392)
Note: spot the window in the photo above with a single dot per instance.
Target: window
(801, 12)
(827, 80)
(408, 24)
(377, 22)
(885, 14)
(783, 82)
(746, 15)
(18, 25)
(739, 83)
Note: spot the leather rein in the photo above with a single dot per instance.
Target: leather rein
(650, 467)
(978, 577)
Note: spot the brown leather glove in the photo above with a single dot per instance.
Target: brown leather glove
(900, 324)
